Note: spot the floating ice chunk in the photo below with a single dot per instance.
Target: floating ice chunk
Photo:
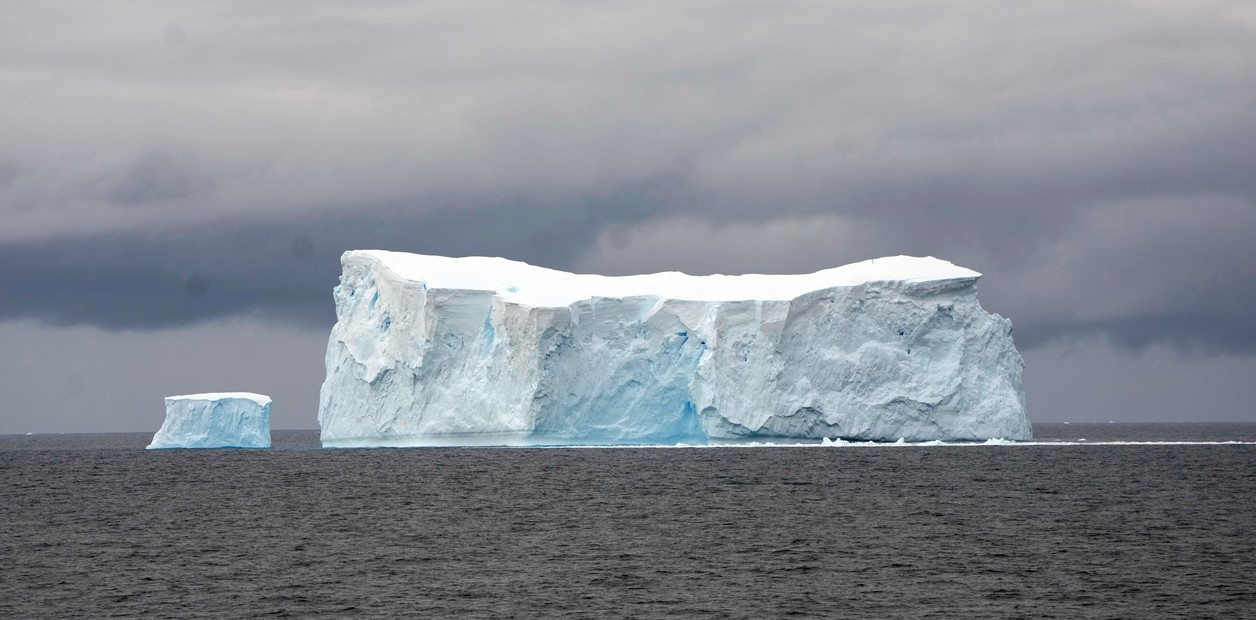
(429, 350)
(216, 420)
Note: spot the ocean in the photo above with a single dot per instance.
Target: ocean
(1089, 521)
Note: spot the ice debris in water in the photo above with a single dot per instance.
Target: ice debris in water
(430, 350)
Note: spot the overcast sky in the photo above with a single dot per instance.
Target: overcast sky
(178, 180)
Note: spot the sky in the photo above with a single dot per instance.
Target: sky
(178, 180)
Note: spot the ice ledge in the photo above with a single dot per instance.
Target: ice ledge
(525, 284)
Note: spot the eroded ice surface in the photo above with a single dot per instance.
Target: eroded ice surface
(430, 350)
(215, 420)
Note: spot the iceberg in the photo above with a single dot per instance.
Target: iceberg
(431, 350)
(216, 420)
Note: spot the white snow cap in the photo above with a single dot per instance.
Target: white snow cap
(537, 286)
(260, 399)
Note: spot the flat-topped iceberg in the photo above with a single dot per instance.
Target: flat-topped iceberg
(216, 420)
(430, 350)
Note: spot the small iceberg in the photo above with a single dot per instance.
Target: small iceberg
(215, 420)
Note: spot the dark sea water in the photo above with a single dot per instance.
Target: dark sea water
(95, 526)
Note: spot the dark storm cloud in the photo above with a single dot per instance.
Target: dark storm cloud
(200, 161)
(1192, 290)
(283, 269)
(1216, 329)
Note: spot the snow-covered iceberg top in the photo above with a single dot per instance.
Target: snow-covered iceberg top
(215, 420)
(430, 350)
(260, 399)
(526, 284)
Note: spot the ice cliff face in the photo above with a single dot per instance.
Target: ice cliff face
(223, 420)
(431, 350)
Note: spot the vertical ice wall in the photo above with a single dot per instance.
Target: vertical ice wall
(436, 351)
(217, 420)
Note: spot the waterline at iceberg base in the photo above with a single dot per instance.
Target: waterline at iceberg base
(431, 350)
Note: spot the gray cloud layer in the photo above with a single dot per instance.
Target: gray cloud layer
(168, 164)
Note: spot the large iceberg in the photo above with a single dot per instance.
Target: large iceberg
(218, 420)
(430, 350)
